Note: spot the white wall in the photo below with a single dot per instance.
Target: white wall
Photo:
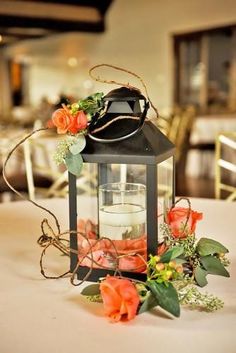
(138, 37)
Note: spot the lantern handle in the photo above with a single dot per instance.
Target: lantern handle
(98, 79)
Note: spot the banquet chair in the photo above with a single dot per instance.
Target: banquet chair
(38, 155)
(38, 161)
(179, 132)
(225, 166)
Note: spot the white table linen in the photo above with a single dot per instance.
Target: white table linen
(42, 316)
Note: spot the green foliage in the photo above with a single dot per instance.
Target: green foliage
(189, 246)
(207, 246)
(74, 163)
(194, 299)
(92, 293)
(163, 272)
(200, 276)
(173, 253)
(92, 289)
(90, 105)
(166, 296)
(78, 145)
(62, 150)
(142, 291)
(214, 266)
(149, 303)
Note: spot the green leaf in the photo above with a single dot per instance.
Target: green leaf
(172, 253)
(200, 276)
(207, 246)
(180, 261)
(214, 266)
(92, 289)
(78, 145)
(149, 303)
(74, 163)
(166, 296)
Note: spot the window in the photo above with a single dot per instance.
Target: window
(205, 70)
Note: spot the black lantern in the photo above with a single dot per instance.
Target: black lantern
(135, 185)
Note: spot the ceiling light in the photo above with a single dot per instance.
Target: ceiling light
(72, 62)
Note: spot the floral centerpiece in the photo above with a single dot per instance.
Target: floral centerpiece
(174, 275)
(72, 120)
(181, 264)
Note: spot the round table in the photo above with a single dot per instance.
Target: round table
(40, 315)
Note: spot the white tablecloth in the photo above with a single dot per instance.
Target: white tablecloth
(43, 316)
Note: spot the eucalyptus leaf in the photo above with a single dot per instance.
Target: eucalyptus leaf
(91, 290)
(207, 246)
(214, 266)
(78, 145)
(180, 261)
(74, 163)
(200, 276)
(149, 303)
(166, 297)
(172, 253)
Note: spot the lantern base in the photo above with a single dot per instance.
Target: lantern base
(97, 274)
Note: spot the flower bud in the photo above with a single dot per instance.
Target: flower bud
(160, 266)
(172, 264)
(157, 258)
(179, 269)
(168, 274)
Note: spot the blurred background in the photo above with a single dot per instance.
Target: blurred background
(184, 50)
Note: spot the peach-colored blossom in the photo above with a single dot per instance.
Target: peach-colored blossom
(177, 218)
(78, 123)
(62, 119)
(65, 121)
(120, 298)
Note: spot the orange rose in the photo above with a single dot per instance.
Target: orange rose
(65, 121)
(120, 298)
(176, 219)
(62, 119)
(78, 123)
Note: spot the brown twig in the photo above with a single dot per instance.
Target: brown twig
(98, 79)
(189, 210)
(112, 121)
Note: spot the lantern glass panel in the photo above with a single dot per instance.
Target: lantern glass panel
(165, 188)
(120, 215)
(86, 188)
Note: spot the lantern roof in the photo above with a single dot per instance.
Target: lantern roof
(124, 94)
(148, 146)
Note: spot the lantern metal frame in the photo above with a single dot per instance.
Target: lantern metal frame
(148, 147)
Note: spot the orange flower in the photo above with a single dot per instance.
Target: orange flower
(78, 123)
(65, 121)
(120, 298)
(62, 119)
(177, 218)
(162, 248)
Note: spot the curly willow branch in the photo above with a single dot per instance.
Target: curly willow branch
(56, 239)
(98, 79)
(189, 210)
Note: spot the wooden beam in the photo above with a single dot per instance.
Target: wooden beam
(63, 12)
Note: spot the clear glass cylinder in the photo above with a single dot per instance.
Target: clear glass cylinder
(122, 211)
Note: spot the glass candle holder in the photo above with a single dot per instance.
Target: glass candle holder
(122, 211)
